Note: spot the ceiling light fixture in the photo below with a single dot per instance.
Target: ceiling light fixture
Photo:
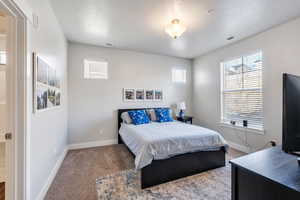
(175, 29)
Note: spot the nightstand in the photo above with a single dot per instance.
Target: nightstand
(185, 119)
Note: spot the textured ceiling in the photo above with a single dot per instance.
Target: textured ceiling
(139, 24)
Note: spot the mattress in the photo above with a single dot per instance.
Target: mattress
(157, 141)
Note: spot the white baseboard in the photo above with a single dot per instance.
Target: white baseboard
(52, 175)
(92, 144)
(239, 147)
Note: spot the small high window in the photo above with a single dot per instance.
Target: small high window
(179, 75)
(95, 69)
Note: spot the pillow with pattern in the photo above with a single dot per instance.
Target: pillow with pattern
(139, 117)
(163, 115)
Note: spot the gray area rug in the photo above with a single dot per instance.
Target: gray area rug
(211, 185)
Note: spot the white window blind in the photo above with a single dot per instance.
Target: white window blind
(179, 75)
(95, 69)
(242, 94)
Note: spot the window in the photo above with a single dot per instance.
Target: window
(2, 57)
(179, 75)
(95, 69)
(242, 95)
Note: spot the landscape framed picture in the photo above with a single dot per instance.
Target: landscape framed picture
(128, 94)
(149, 95)
(140, 94)
(41, 97)
(46, 85)
(41, 71)
(158, 95)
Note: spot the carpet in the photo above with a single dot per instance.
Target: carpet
(211, 185)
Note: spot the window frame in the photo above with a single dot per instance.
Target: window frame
(89, 60)
(225, 124)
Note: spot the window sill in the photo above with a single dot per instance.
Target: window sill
(241, 128)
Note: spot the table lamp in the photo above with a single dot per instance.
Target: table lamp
(181, 107)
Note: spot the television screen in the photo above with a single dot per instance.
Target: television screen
(291, 113)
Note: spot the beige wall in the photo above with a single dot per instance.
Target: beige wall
(93, 104)
(281, 48)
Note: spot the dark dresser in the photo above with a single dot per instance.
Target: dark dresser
(269, 174)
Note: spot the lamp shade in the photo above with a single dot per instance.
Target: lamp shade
(181, 106)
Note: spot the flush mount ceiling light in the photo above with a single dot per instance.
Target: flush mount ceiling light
(175, 29)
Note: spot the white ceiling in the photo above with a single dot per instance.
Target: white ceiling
(139, 24)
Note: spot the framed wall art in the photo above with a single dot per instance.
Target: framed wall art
(128, 94)
(149, 95)
(46, 85)
(158, 95)
(140, 94)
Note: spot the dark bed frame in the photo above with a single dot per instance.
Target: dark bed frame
(162, 171)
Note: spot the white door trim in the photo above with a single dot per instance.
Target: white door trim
(17, 187)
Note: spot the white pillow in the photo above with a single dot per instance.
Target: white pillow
(152, 115)
(126, 118)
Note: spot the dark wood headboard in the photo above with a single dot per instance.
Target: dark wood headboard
(120, 111)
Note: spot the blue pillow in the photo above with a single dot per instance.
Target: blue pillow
(163, 115)
(139, 117)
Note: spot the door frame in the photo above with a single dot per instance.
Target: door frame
(17, 176)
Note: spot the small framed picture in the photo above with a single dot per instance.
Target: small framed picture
(140, 94)
(149, 95)
(158, 95)
(51, 97)
(41, 96)
(129, 94)
(57, 98)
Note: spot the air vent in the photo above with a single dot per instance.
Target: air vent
(230, 38)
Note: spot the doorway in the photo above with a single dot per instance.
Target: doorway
(5, 103)
(13, 107)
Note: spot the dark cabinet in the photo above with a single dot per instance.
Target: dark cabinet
(266, 175)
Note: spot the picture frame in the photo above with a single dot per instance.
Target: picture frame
(149, 95)
(140, 94)
(158, 95)
(46, 85)
(128, 94)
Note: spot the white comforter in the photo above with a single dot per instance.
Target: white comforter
(155, 141)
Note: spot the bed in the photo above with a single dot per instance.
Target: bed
(168, 151)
